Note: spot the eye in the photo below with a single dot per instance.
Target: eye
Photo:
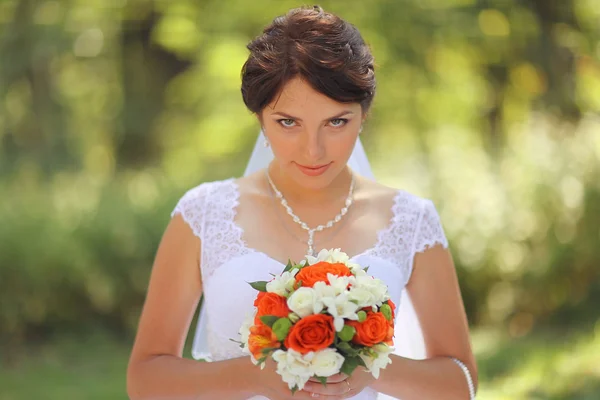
(338, 122)
(287, 122)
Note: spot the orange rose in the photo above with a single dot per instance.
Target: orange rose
(393, 307)
(259, 298)
(270, 304)
(311, 333)
(375, 329)
(318, 272)
(389, 339)
(261, 337)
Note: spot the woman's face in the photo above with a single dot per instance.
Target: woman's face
(311, 135)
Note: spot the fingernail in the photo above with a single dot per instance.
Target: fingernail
(314, 395)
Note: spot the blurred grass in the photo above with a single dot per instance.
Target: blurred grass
(544, 365)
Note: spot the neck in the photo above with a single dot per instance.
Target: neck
(295, 194)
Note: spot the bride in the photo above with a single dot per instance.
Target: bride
(310, 81)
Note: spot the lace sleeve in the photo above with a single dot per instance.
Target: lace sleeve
(191, 207)
(429, 229)
(428, 232)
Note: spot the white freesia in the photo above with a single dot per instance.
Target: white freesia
(330, 256)
(340, 283)
(356, 269)
(375, 364)
(323, 290)
(245, 331)
(295, 369)
(327, 362)
(283, 284)
(341, 308)
(305, 301)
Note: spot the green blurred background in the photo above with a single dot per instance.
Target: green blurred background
(110, 110)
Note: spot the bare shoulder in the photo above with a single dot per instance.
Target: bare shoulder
(374, 192)
(253, 184)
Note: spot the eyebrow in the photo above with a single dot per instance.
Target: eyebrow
(346, 112)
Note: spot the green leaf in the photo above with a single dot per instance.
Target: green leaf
(347, 349)
(322, 379)
(362, 316)
(347, 333)
(349, 365)
(269, 320)
(294, 389)
(345, 346)
(288, 266)
(261, 286)
(386, 310)
(281, 327)
(366, 269)
(268, 350)
(361, 362)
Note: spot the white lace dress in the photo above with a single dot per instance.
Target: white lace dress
(227, 263)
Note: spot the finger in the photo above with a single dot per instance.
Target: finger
(303, 395)
(332, 379)
(332, 389)
(337, 378)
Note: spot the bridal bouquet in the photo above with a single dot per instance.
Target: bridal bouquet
(318, 318)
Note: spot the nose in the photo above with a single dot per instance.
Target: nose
(315, 147)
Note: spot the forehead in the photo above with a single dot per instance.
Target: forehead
(297, 96)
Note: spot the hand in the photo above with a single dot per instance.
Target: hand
(340, 386)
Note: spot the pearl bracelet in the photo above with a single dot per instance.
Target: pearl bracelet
(467, 375)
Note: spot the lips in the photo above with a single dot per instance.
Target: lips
(315, 167)
(315, 170)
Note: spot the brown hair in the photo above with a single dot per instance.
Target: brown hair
(326, 51)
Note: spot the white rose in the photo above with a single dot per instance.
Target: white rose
(327, 362)
(283, 284)
(304, 302)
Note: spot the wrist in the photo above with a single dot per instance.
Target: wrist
(252, 379)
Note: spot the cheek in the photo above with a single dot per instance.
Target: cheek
(283, 147)
(342, 146)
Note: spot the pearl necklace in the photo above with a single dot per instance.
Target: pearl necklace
(311, 231)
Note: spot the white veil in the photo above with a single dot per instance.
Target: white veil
(408, 339)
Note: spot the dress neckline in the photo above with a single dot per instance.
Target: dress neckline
(372, 250)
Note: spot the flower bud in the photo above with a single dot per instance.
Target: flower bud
(293, 317)
(362, 316)
(386, 310)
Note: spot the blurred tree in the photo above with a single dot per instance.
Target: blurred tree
(138, 143)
